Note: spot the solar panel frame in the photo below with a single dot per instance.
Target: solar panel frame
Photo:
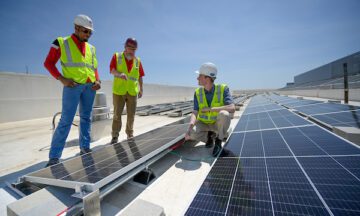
(322, 108)
(344, 119)
(58, 175)
(301, 103)
(290, 194)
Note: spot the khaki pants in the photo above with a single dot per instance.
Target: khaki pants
(119, 102)
(220, 127)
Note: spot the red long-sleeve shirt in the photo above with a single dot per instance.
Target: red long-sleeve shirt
(129, 64)
(54, 56)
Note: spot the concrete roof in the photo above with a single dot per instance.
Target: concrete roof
(25, 147)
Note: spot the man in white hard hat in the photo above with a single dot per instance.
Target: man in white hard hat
(80, 79)
(213, 104)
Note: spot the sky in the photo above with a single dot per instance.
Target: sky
(254, 43)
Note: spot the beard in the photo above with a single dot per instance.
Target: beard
(128, 57)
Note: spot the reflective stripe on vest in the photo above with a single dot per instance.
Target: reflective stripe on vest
(131, 85)
(217, 101)
(75, 70)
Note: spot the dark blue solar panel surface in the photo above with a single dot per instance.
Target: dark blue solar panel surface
(298, 170)
(270, 119)
(325, 108)
(97, 165)
(300, 103)
(339, 187)
(345, 119)
(262, 108)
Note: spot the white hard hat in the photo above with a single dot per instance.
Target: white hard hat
(208, 69)
(84, 21)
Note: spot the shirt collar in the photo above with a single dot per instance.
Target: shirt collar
(211, 91)
(76, 40)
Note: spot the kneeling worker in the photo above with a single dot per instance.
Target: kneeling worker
(213, 104)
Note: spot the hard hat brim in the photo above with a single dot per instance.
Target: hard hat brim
(92, 29)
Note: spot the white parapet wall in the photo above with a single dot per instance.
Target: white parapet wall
(25, 96)
(337, 94)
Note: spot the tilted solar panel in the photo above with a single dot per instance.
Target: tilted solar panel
(344, 119)
(325, 108)
(102, 166)
(276, 170)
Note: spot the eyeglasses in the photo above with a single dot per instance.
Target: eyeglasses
(86, 31)
(131, 47)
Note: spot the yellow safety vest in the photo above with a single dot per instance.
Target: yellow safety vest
(131, 85)
(217, 101)
(74, 65)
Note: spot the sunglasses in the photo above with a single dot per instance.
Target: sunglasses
(86, 31)
(131, 47)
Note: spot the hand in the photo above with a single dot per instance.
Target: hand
(187, 137)
(96, 86)
(140, 94)
(206, 109)
(123, 76)
(67, 82)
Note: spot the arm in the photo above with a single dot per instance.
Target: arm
(141, 70)
(113, 70)
(97, 84)
(192, 124)
(141, 87)
(228, 101)
(193, 118)
(50, 64)
(230, 108)
(118, 74)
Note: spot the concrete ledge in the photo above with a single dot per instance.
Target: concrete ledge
(350, 133)
(142, 207)
(334, 101)
(47, 201)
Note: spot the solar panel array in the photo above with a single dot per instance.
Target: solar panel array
(293, 169)
(100, 167)
(329, 114)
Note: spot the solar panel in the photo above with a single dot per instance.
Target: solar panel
(297, 170)
(268, 120)
(100, 167)
(338, 186)
(345, 119)
(262, 108)
(325, 108)
(298, 103)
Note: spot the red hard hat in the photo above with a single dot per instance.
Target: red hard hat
(131, 41)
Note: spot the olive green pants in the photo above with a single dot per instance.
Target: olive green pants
(119, 102)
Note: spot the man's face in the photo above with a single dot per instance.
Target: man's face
(130, 50)
(83, 33)
(201, 79)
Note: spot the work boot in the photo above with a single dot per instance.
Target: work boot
(114, 140)
(217, 147)
(210, 140)
(52, 161)
(85, 151)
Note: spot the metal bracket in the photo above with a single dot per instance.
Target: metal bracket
(81, 191)
(91, 204)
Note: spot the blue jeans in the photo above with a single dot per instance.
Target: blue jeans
(71, 98)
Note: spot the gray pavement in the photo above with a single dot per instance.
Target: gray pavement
(25, 147)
